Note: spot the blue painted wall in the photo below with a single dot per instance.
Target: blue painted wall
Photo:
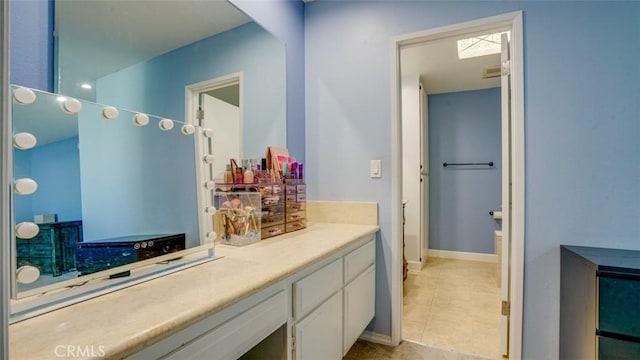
(464, 127)
(31, 41)
(285, 20)
(58, 163)
(582, 85)
(582, 82)
(157, 86)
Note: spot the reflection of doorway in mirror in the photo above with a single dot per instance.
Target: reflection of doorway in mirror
(216, 104)
(224, 118)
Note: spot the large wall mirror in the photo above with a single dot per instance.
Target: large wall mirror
(109, 169)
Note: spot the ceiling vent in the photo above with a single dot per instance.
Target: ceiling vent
(491, 71)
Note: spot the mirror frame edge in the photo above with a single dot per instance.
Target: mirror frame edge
(5, 236)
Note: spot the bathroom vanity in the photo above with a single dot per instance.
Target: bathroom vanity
(315, 287)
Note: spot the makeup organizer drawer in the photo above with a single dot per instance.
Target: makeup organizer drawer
(273, 209)
(295, 205)
(271, 231)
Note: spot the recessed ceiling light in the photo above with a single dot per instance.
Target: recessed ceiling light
(86, 86)
(480, 45)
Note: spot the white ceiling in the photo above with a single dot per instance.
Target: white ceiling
(99, 37)
(440, 69)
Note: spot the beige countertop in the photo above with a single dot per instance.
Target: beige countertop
(125, 321)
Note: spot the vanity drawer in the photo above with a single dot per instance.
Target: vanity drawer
(312, 290)
(239, 333)
(619, 303)
(358, 260)
(296, 225)
(301, 197)
(291, 189)
(271, 231)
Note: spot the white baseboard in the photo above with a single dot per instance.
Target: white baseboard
(376, 338)
(461, 255)
(415, 265)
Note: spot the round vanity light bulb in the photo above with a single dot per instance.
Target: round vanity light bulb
(27, 274)
(27, 230)
(165, 124)
(207, 132)
(188, 129)
(71, 106)
(211, 210)
(24, 141)
(211, 235)
(209, 185)
(25, 186)
(140, 119)
(110, 112)
(24, 96)
(208, 159)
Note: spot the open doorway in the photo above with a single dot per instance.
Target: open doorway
(460, 255)
(215, 105)
(452, 297)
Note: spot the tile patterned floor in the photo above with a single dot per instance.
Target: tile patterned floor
(407, 350)
(454, 304)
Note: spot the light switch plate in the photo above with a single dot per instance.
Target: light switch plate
(375, 169)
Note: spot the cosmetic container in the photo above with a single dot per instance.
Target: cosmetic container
(239, 217)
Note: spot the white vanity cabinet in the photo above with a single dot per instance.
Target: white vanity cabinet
(359, 292)
(324, 308)
(346, 291)
(318, 336)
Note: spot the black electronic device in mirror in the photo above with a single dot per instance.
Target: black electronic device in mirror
(111, 190)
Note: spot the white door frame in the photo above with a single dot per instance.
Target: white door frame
(513, 21)
(191, 102)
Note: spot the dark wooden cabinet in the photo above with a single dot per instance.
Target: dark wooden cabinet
(53, 250)
(599, 303)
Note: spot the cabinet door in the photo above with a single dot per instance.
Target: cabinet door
(359, 306)
(319, 335)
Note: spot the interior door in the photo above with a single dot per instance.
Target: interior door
(224, 119)
(424, 174)
(506, 192)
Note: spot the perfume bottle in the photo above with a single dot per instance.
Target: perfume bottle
(228, 175)
(248, 173)
(238, 176)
